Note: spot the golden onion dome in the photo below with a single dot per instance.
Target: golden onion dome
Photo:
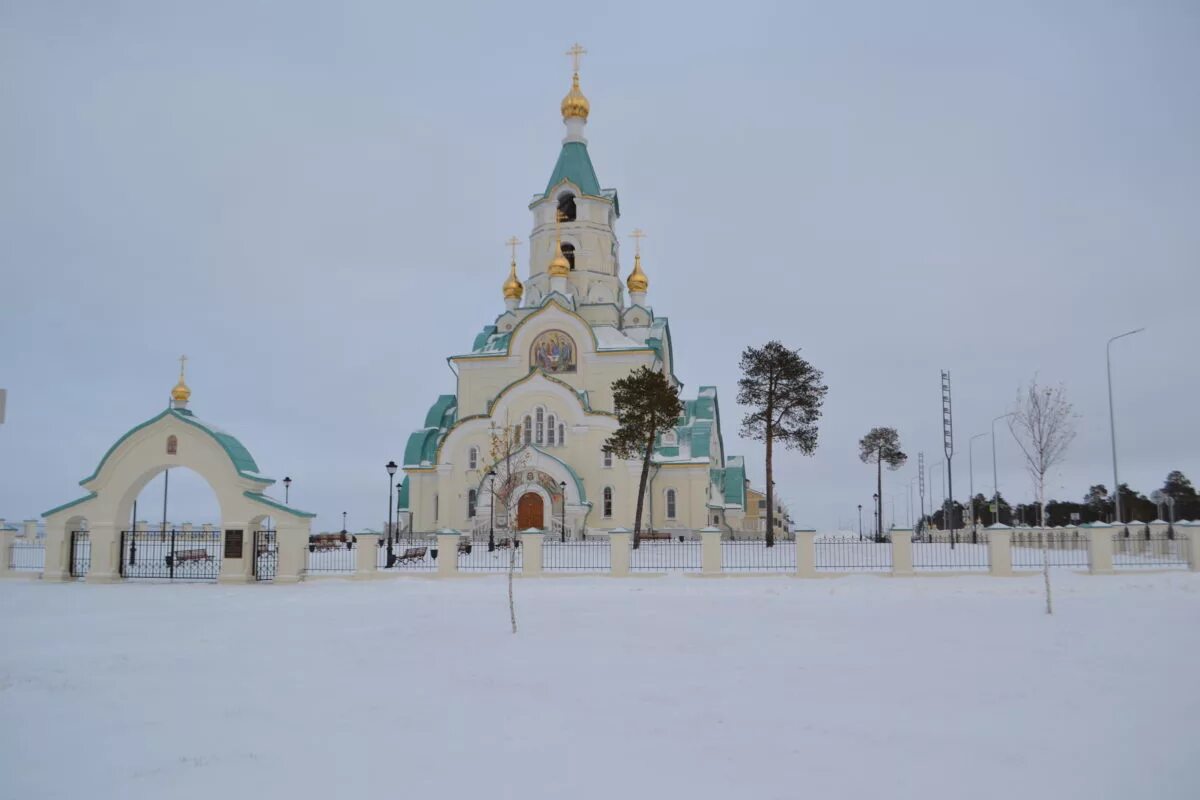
(513, 290)
(181, 392)
(575, 104)
(637, 280)
(559, 266)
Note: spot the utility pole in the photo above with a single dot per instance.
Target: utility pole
(1112, 424)
(948, 445)
(921, 484)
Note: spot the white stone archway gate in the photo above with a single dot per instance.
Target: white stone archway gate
(176, 438)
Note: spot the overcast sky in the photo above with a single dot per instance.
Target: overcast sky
(311, 200)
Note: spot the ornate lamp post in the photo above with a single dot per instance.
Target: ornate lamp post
(860, 522)
(287, 485)
(878, 533)
(492, 510)
(563, 516)
(391, 555)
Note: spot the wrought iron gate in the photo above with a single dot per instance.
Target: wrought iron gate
(81, 553)
(266, 555)
(171, 555)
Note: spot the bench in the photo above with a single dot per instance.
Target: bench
(655, 536)
(194, 554)
(412, 555)
(327, 541)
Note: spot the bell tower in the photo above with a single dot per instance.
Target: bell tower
(574, 219)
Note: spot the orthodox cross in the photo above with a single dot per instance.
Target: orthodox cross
(576, 52)
(513, 242)
(182, 363)
(637, 236)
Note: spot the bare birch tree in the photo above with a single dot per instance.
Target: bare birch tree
(1043, 423)
(508, 459)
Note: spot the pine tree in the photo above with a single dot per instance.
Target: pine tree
(646, 403)
(881, 446)
(784, 394)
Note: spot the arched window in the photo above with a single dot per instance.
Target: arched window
(716, 520)
(551, 430)
(528, 429)
(471, 504)
(473, 459)
(566, 207)
(608, 459)
(562, 439)
(569, 253)
(670, 504)
(172, 445)
(608, 494)
(539, 436)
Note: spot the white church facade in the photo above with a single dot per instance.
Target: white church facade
(536, 387)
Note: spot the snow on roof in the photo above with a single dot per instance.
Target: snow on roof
(609, 338)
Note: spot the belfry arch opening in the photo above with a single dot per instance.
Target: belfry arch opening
(566, 207)
(568, 251)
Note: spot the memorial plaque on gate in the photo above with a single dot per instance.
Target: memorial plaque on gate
(233, 544)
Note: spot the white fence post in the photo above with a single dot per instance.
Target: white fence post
(710, 551)
(999, 550)
(902, 554)
(531, 553)
(806, 554)
(1100, 548)
(447, 542)
(619, 541)
(6, 548)
(366, 555)
(1192, 531)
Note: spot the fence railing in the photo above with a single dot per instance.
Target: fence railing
(837, 554)
(411, 554)
(1061, 549)
(474, 556)
(332, 553)
(171, 554)
(951, 556)
(27, 556)
(665, 556)
(81, 553)
(591, 555)
(1144, 549)
(755, 556)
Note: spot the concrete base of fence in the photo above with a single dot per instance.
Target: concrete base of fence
(366, 556)
(531, 554)
(1192, 531)
(999, 550)
(105, 560)
(1100, 549)
(806, 554)
(710, 551)
(902, 554)
(6, 543)
(619, 542)
(447, 540)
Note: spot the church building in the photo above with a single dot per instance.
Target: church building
(535, 389)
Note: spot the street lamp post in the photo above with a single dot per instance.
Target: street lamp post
(562, 537)
(492, 510)
(391, 554)
(1112, 424)
(995, 479)
(860, 522)
(287, 485)
(971, 470)
(878, 517)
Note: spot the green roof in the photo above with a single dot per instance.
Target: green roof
(422, 444)
(259, 497)
(575, 165)
(735, 481)
(402, 497)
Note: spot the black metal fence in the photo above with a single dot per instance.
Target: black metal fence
(847, 554)
(1144, 549)
(266, 555)
(81, 553)
(171, 555)
(474, 556)
(755, 556)
(27, 556)
(674, 555)
(1058, 548)
(589, 555)
(418, 555)
(952, 556)
(332, 553)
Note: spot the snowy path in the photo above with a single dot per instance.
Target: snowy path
(766, 687)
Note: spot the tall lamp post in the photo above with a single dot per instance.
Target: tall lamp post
(878, 517)
(562, 524)
(1112, 424)
(860, 522)
(971, 470)
(996, 480)
(287, 485)
(391, 555)
(492, 510)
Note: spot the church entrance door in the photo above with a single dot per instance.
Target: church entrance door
(529, 511)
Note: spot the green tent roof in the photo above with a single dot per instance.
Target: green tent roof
(575, 165)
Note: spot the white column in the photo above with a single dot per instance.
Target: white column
(30, 529)
(6, 542)
(902, 560)
(531, 553)
(447, 562)
(234, 570)
(105, 561)
(58, 552)
(999, 550)
(619, 541)
(366, 556)
(710, 551)
(1192, 532)
(1100, 549)
(291, 542)
(806, 554)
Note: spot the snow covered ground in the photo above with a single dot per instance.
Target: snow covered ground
(674, 687)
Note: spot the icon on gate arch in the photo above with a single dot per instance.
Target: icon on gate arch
(172, 445)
